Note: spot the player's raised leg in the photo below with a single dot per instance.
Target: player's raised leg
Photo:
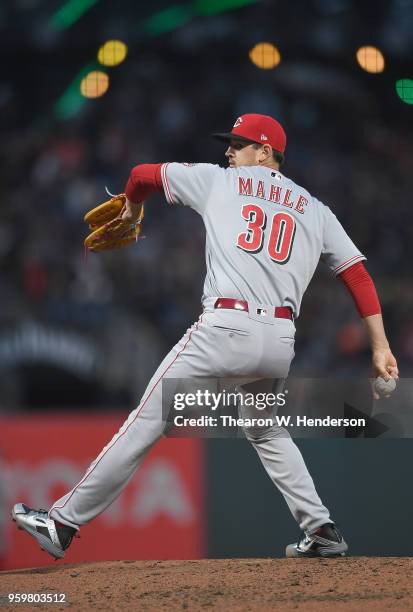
(111, 471)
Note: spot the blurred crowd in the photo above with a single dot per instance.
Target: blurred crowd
(77, 331)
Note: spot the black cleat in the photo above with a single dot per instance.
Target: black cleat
(53, 537)
(326, 541)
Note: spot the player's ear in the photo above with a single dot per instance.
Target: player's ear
(265, 152)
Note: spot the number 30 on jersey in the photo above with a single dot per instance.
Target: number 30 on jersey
(281, 233)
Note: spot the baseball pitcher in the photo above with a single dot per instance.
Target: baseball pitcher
(264, 238)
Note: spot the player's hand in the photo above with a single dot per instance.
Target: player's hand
(132, 211)
(384, 364)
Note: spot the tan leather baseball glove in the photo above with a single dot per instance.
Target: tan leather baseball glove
(109, 230)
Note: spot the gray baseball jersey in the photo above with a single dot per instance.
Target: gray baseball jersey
(264, 233)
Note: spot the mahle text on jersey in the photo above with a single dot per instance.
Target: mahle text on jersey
(272, 193)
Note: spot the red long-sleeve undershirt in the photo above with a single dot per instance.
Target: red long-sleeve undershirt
(143, 180)
(146, 178)
(361, 287)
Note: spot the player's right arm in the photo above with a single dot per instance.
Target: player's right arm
(345, 261)
(361, 287)
(383, 361)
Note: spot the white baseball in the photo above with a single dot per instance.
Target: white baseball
(384, 387)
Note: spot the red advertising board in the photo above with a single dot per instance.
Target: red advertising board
(159, 515)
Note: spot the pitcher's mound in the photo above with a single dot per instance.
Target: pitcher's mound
(349, 583)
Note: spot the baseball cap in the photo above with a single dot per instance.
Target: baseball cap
(254, 128)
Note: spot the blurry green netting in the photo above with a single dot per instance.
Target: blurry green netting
(168, 20)
(70, 12)
(161, 22)
(211, 7)
(176, 16)
(71, 101)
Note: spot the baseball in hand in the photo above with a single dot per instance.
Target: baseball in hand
(384, 388)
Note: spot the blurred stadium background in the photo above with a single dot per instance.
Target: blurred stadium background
(89, 89)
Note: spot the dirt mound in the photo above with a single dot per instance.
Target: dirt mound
(352, 583)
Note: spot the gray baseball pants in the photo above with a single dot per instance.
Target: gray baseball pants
(222, 344)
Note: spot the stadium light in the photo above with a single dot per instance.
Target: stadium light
(94, 84)
(404, 89)
(370, 59)
(112, 53)
(265, 56)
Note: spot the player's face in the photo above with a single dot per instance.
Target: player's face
(241, 154)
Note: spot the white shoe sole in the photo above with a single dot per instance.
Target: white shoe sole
(291, 552)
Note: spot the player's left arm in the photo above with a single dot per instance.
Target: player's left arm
(143, 180)
(187, 184)
(132, 211)
(361, 287)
